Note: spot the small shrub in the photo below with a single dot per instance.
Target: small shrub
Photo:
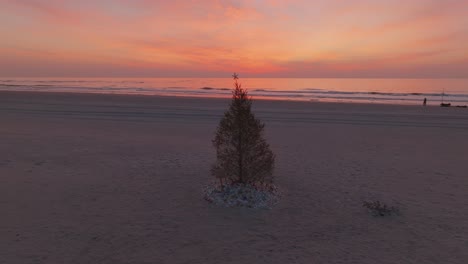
(380, 209)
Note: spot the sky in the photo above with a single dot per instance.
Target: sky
(213, 38)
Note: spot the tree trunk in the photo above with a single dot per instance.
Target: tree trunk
(239, 149)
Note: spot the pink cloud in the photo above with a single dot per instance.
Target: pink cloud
(289, 38)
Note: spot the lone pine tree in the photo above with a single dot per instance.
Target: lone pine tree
(243, 155)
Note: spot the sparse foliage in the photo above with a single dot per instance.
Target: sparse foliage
(380, 209)
(243, 155)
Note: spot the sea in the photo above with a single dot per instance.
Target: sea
(354, 90)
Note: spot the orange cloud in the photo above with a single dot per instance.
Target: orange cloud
(293, 38)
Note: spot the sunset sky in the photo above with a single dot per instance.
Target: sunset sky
(213, 38)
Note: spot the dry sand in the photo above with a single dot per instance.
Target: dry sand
(118, 179)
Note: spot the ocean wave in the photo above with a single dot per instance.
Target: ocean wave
(260, 91)
(10, 85)
(217, 89)
(159, 88)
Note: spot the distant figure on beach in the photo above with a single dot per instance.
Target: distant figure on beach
(425, 101)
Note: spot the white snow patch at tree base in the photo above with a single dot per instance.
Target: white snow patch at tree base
(242, 195)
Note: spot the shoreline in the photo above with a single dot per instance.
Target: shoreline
(214, 98)
(392, 91)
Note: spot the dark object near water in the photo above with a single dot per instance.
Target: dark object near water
(461, 106)
(380, 209)
(425, 102)
(445, 104)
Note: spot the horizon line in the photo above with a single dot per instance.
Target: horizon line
(249, 77)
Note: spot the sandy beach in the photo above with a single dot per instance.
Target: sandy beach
(118, 179)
